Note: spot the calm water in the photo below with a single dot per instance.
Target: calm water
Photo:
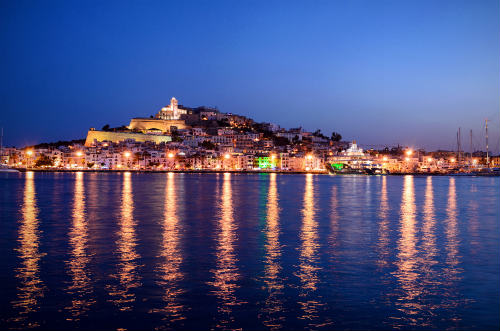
(237, 251)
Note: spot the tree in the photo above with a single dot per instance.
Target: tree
(318, 133)
(43, 160)
(207, 144)
(105, 128)
(280, 141)
(336, 136)
(223, 123)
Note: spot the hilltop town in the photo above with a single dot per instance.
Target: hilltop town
(179, 138)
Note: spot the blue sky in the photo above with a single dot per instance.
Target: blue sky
(380, 72)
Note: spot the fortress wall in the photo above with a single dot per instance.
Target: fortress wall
(121, 136)
(151, 123)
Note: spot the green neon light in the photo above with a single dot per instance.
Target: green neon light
(337, 166)
(264, 162)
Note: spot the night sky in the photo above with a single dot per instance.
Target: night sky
(381, 72)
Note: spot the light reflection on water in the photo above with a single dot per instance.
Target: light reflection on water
(78, 265)
(407, 268)
(226, 273)
(31, 287)
(127, 274)
(429, 228)
(272, 312)
(383, 230)
(331, 252)
(170, 269)
(309, 267)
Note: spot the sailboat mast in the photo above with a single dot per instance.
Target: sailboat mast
(487, 149)
(459, 142)
(1, 146)
(471, 145)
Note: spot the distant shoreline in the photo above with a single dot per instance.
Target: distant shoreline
(257, 172)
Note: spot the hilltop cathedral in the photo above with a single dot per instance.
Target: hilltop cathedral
(156, 129)
(166, 120)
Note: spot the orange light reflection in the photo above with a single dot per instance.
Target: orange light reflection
(127, 273)
(80, 287)
(31, 287)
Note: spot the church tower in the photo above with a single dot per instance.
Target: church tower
(174, 107)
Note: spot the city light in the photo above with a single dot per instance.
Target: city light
(79, 153)
(273, 156)
(30, 152)
(474, 161)
(127, 154)
(170, 155)
(429, 159)
(409, 152)
(309, 157)
(385, 158)
(407, 159)
(307, 168)
(452, 160)
(227, 156)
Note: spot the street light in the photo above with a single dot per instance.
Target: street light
(79, 153)
(309, 157)
(170, 155)
(384, 158)
(127, 154)
(29, 153)
(409, 152)
(227, 156)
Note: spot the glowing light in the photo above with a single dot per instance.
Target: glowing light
(474, 161)
(407, 159)
(273, 157)
(105, 145)
(227, 156)
(119, 166)
(308, 168)
(429, 159)
(409, 152)
(127, 154)
(452, 160)
(309, 157)
(79, 153)
(170, 155)
(30, 152)
(385, 158)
